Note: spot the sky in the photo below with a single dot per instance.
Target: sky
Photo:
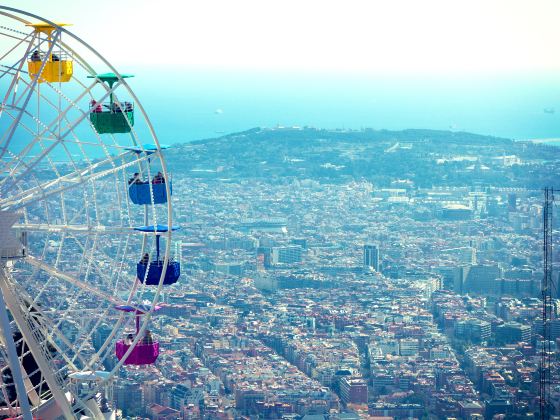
(365, 36)
(220, 66)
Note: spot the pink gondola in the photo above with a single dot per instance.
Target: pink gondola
(146, 350)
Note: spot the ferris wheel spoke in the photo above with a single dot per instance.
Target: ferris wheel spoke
(42, 97)
(58, 138)
(73, 176)
(40, 193)
(46, 99)
(87, 337)
(40, 141)
(104, 351)
(13, 37)
(102, 274)
(15, 78)
(17, 369)
(75, 229)
(48, 325)
(13, 175)
(72, 280)
(80, 284)
(19, 63)
(27, 93)
(100, 314)
(92, 260)
(37, 351)
(62, 115)
(30, 87)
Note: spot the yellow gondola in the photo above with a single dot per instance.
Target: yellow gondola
(58, 66)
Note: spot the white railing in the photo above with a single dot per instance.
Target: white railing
(55, 56)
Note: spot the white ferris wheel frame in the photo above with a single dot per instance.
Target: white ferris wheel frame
(57, 186)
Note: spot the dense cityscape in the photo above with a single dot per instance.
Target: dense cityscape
(312, 298)
(161, 260)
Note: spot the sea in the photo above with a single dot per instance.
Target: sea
(191, 105)
(188, 105)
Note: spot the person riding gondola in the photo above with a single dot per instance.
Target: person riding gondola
(135, 179)
(158, 179)
(95, 106)
(148, 339)
(116, 106)
(36, 56)
(145, 259)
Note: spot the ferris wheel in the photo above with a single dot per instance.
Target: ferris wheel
(85, 224)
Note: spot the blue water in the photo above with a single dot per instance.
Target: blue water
(183, 105)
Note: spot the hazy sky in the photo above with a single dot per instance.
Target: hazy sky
(427, 36)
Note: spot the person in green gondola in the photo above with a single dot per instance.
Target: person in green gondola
(95, 106)
(116, 106)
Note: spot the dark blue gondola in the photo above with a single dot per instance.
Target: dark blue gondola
(149, 272)
(155, 268)
(140, 193)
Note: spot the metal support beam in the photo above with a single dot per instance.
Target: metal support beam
(34, 346)
(13, 358)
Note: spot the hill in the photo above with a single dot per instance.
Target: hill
(424, 157)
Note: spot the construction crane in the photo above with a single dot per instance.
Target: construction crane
(547, 287)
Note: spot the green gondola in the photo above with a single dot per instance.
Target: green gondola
(111, 117)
